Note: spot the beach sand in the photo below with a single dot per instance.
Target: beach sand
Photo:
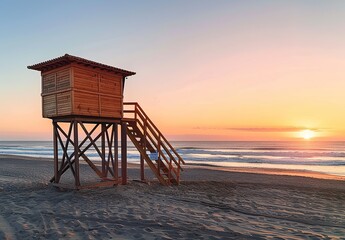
(210, 203)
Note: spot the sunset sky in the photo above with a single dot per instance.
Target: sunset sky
(206, 70)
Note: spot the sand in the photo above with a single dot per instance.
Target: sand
(210, 203)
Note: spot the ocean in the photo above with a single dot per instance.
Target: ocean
(323, 157)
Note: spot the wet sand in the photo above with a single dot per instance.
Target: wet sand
(210, 203)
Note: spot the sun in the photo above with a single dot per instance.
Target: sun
(307, 134)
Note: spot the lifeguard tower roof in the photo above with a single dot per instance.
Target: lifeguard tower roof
(68, 59)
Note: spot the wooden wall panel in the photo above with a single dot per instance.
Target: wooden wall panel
(63, 79)
(79, 90)
(85, 79)
(56, 80)
(110, 84)
(49, 105)
(111, 107)
(86, 104)
(64, 103)
(49, 83)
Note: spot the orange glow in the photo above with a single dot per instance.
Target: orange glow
(307, 134)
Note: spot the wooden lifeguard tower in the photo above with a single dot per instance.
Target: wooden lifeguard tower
(88, 97)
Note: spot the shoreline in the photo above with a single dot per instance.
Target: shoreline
(196, 174)
(273, 171)
(253, 170)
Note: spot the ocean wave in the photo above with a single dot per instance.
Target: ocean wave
(321, 162)
(255, 153)
(292, 154)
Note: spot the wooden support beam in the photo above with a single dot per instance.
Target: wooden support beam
(142, 168)
(92, 141)
(116, 152)
(68, 163)
(65, 147)
(103, 150)
(56, 155)
(94, 168)
(88, 134)
(124, 153)
(108, 151)
(76, 154)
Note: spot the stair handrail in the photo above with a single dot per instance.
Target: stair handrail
(157, 136)
(177, 172)
(159, 132)
(142, 112)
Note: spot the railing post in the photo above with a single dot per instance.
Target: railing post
(159, 156)
(145, 134)
(142, 168)
(159, 166)
(178, 170)
(169, 173)
(159, 146)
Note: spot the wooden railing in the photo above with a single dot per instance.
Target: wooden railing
(166, 153)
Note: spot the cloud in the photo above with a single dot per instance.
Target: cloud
(266, 129)
(272, 129)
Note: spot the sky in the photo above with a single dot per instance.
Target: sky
(206, 70)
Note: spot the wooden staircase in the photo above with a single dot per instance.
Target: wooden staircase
(154, 148)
